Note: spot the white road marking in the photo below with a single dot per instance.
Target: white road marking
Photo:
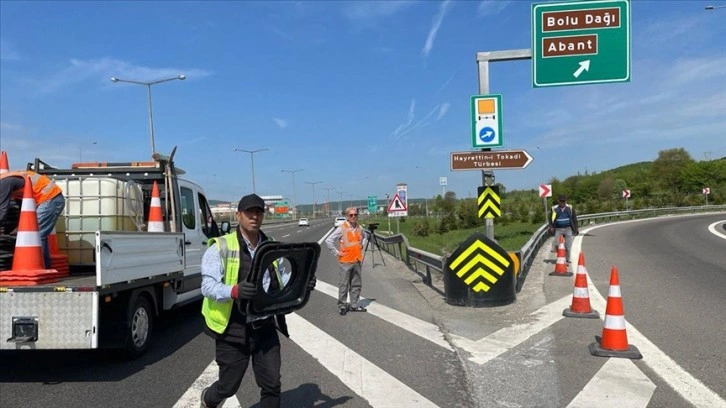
(618, 383)
(501, 341)
(715, 232)
(379, 388)
(190, 399)
(286, 235)
(428, 331)
(682, 382)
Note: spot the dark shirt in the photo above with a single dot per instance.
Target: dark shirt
(7, 186)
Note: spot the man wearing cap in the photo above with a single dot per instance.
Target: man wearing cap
(237, 335)
(351, 239)
(563, 222)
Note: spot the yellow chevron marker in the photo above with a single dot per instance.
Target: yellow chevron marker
(480, 259)
(489, 202)
(480, 273)
(479, 245)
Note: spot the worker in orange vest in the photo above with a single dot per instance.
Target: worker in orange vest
(48, 197)
(351, 240)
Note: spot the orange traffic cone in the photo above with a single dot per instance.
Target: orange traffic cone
(561, 264)
(581, 296)
(4, 167)
(58, 261)
(28, 262)
(614, 340)
(156, 221)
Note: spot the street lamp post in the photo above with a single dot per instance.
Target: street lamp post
(294, 199)
(327, 189)
(148, 88)
(340, 201)
(313, 183)
(252, 163)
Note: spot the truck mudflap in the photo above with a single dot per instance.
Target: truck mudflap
(48, 320)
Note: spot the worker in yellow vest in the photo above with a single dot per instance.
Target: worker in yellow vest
(350, 240)
(239, 336)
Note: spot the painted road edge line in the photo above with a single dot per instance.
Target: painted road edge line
(190, 399)
(680, 380)
(618, 383)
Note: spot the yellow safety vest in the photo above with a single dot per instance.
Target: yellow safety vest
(216, 314)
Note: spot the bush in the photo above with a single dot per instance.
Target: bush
(421, 228)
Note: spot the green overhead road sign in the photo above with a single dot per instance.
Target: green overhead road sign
(372, 204)
(582, 42)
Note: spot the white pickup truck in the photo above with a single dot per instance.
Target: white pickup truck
(121, 277)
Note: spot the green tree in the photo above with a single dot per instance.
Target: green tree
(668, 167)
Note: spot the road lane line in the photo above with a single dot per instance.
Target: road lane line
(503, 340)
(379, 388)
(680, 380)
(618, 383)
(714, 231)
(190, 399)
(428, 331)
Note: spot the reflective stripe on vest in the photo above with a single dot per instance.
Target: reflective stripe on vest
(43, 187)
(350, 240)
(560, 216)
(216, 314)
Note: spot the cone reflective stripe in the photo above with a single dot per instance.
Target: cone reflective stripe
(156, 221)
(614, 340)
(581, 295)
(4, 167)
(561, 264)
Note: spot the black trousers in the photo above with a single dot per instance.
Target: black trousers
(263, 345)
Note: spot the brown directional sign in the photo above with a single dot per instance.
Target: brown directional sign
(499, 159)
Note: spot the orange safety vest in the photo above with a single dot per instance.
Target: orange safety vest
(350, 244)
(43, 187)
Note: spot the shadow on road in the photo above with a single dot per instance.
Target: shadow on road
(309, 396)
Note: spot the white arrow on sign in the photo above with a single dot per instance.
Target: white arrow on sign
(584, 66)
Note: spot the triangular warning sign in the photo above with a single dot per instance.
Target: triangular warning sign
(396, 204)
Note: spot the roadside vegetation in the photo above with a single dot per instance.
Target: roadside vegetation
(674, 179)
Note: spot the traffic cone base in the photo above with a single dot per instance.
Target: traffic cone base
(592, 314)
(630, 352)
(580, 306)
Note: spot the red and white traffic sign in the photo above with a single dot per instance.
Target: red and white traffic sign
(706, 190)
(626, 193)
(545, 190)
(397, 208)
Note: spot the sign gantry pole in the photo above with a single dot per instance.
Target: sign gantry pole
(483, 59)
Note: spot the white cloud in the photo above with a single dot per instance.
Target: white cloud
(281, 123)
(492, 7)
(443, 110)
(435, 25)
(409, 125)
(103, 69)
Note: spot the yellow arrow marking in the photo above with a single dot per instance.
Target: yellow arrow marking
(480, 272)
(473, 247)
(481, 286)
(480, 259)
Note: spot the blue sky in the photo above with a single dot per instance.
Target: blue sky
(359, 95)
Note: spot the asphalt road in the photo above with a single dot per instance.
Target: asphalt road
(413, 350)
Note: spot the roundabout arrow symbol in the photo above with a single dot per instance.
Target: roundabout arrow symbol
(584, 66)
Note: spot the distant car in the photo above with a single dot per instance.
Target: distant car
(338, 221)
(303, 222)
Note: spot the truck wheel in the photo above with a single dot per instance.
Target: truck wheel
(138, 332)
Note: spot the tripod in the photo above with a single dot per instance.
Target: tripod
(372, 236)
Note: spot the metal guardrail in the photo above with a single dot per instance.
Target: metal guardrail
(425, 262)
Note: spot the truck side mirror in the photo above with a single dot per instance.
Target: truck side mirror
(225, 228)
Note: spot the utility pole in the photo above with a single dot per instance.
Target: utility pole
(294, 199)
(327, 197)
(313, 183)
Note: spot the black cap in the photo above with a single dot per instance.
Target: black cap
(562, 197)
(251, 201)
